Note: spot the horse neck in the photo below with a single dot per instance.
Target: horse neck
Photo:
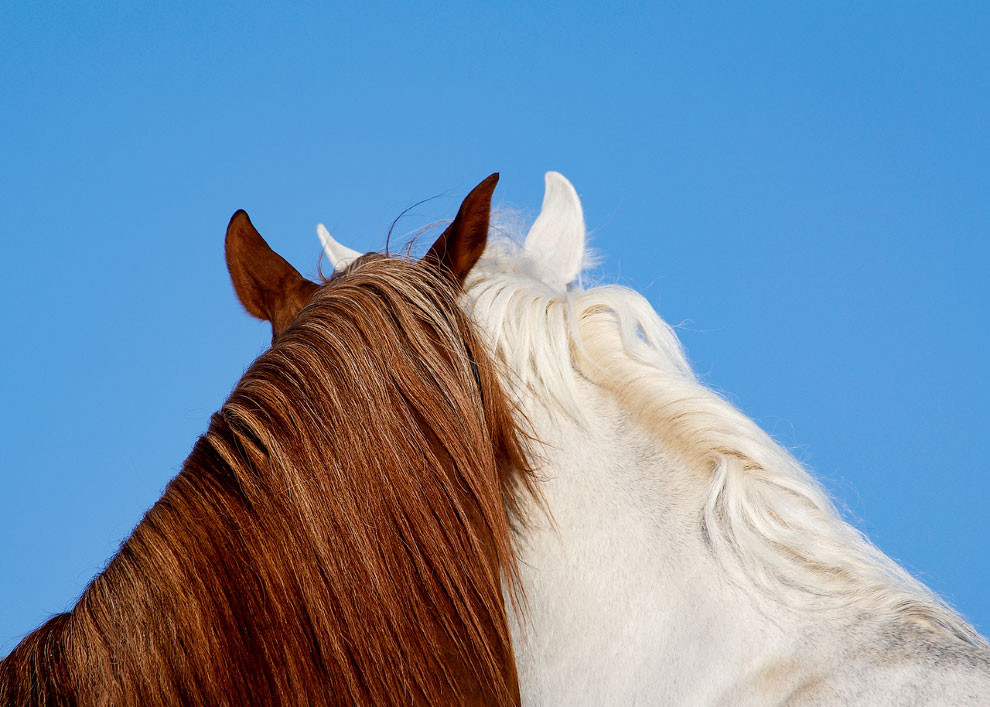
(200, 605)
(660, 611)
(196, 607)
(620, 575)
(628, 604)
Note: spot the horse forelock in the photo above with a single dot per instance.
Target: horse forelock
(340, 533)
(766, 520)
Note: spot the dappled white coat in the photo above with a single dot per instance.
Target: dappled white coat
(687, 559)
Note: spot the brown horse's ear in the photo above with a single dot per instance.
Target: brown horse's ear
(459, 247)
(267, 286)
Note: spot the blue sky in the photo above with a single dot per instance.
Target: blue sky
(803, 186)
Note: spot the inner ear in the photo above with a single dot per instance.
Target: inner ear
(460, 246)
(267, 286)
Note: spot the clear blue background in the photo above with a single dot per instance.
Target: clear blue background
(803, 185)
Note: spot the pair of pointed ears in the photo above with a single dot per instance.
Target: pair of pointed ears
(271, 289)
(458, 248)
(554, 246)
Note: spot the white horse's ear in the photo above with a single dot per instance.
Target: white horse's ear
(340, 256)
(556, 240)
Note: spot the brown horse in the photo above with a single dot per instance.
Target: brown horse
(339, 534)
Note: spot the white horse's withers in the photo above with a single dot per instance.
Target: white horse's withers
(689, 558)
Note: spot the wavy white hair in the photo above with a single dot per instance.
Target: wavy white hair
(765, 518)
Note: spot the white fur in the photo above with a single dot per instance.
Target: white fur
(690, 559)
(555, 243)
(340, 255)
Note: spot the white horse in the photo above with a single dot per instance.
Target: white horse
(689, 560)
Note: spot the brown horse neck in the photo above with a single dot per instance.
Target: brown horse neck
(37, 671)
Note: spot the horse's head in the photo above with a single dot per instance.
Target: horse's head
(377, 380)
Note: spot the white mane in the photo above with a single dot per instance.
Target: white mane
(765, 519)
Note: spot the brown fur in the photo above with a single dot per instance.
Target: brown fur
(338, 535)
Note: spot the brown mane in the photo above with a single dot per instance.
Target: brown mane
(338, 535)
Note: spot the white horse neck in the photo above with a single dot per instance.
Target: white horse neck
(690, 559)
(624, 608)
